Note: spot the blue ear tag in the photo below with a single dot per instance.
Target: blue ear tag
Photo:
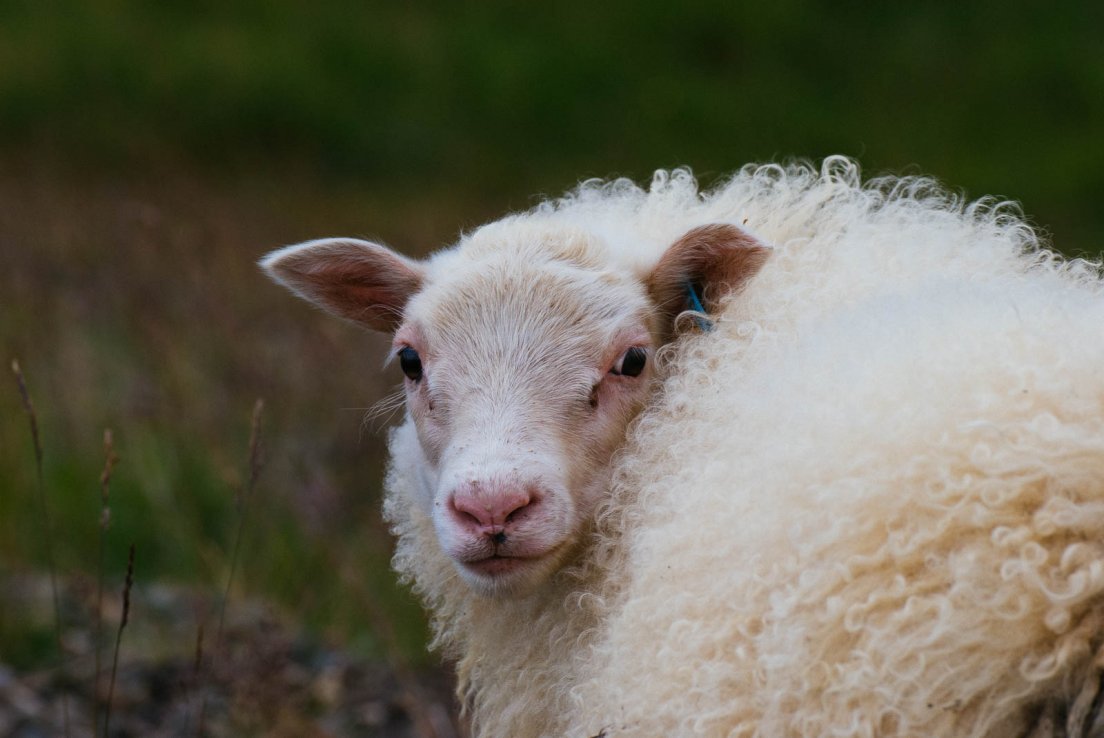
(704, 324)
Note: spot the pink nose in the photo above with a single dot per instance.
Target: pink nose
(489, 511)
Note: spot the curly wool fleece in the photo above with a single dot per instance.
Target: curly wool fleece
(870, 502)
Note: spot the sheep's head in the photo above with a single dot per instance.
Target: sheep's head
(525, 357)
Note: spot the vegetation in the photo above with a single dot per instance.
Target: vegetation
(512, 99)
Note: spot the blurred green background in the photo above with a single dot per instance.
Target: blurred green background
(150, 152)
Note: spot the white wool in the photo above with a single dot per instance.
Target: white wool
(869, 502)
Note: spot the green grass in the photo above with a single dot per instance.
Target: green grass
(509, 99)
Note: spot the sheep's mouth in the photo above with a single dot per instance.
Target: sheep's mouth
(497, 565)
(498, 576)
(513, 573)
(499, 569)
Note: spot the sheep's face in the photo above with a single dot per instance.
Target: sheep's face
(521, 377)
(524, 362)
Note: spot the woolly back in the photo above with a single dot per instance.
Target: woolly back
(870, 501)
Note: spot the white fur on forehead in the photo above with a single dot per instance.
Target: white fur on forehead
(525, 269)
(617, 226)
(531, 236)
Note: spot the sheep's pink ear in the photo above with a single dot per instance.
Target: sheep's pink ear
(712, 260)
(357, 280)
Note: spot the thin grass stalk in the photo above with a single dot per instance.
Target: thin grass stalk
(119, 639)
(44, 511)
(110, 460)
(256, 463)
(195, 683)
(197, 665)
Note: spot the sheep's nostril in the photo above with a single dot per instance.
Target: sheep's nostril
(468, 518)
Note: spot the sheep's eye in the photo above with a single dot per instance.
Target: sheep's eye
(631, 362)
(411, 363)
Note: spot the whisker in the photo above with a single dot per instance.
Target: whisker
(382, 412)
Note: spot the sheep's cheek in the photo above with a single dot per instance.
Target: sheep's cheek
(619, 400)
(427, 422)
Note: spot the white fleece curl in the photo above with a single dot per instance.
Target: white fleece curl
(869, 503)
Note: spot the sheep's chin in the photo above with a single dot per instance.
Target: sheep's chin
(508, 577)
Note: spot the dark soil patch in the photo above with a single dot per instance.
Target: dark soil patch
(267, 677)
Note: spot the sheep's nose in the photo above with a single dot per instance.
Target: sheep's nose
(489, 511)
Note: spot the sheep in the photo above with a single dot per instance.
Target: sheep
(796, 456)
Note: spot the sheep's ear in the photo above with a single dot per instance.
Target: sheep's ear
(356, 280)
(712, 261)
